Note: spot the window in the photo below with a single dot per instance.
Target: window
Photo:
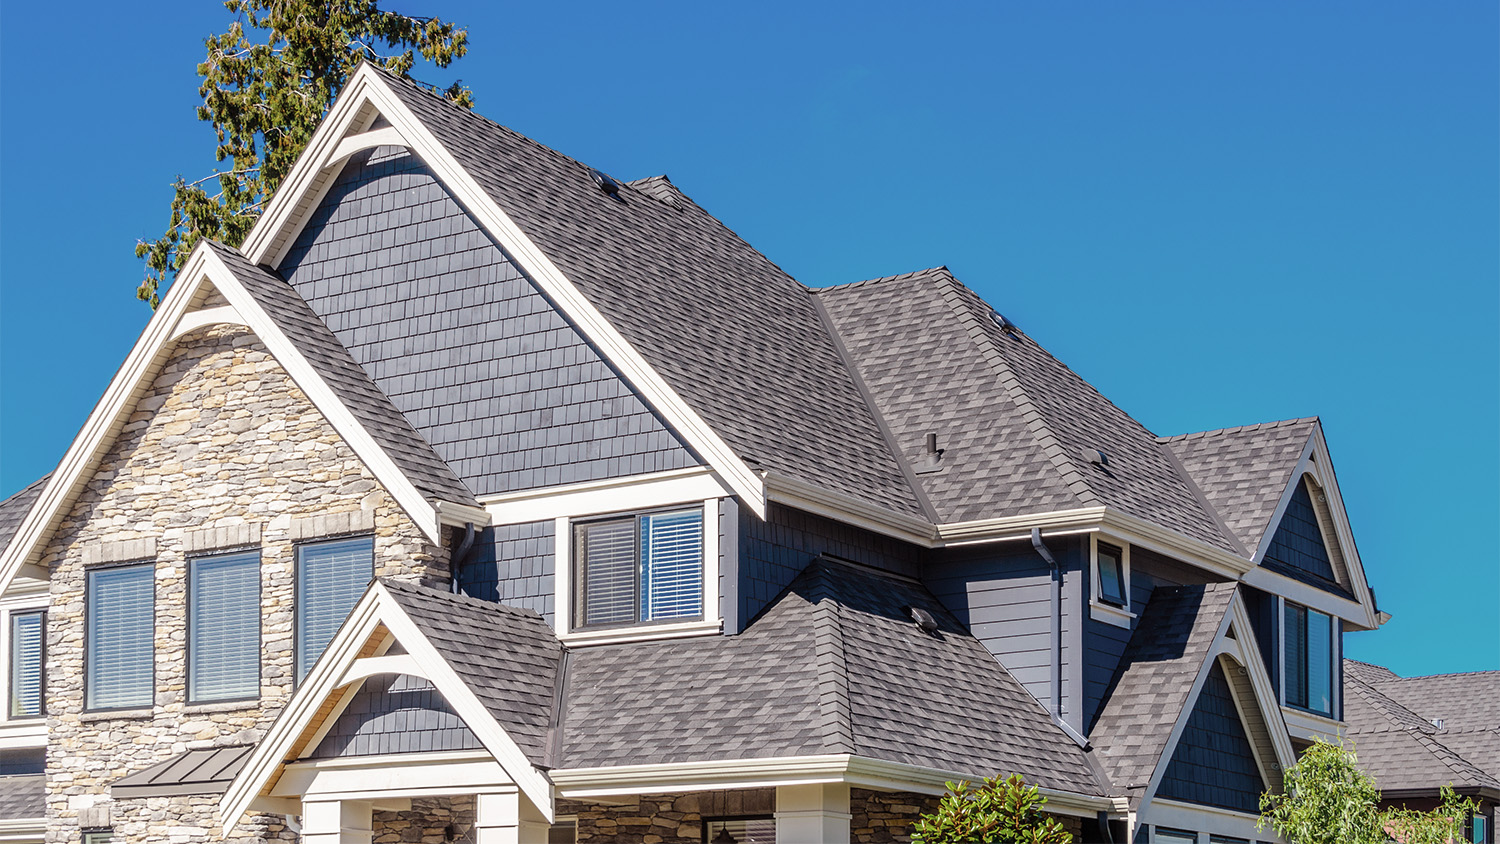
(121, 629)
(1111, 575)
(27, 637)
(1479, 829)
(565, 831)
(761, 830)
(640, 569)
(1308, 647)
(98, 836)
(223, 650)
(1175, 836)
(331, 577)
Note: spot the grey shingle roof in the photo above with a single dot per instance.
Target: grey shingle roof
(740, 340)
(508, 657)
(1244, 471)
(937, 360)
(207, 770)
(1391, 723)
(15, 508)
(421, 465)
(23, 797)
(1150, 688)
(835, 665)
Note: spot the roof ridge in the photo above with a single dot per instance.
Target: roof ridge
(1449, 674)
(1051, 445)
(835, 716)
(25, 489)
(1238, 429)
(457, 598)
(941, 268)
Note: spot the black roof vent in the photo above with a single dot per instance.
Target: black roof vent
(1005, 325)
(605, 183)
(924, 620)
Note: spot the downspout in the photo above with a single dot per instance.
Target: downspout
(461, 555)
(1056, 705)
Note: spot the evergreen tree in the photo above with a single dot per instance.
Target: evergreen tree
(266, 84)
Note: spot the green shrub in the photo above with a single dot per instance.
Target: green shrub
(998, 812)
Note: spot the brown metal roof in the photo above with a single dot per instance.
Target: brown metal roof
(207, 770)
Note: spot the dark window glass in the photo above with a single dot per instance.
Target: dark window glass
(331, 577)
(640, 569)
(121, 635)
(224, 627)
(27, 633)
(1309, 638)
(1111, 575)
(739, 830)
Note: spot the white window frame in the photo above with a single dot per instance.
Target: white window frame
(8, 607)
(1336, 656)
(1100, 610)
(565, 589)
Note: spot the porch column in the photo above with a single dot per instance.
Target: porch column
(337, 822)
(813, 814)
(506, 817)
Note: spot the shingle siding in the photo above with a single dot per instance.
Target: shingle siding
(1298, 541)
(1003, 593)
(514, 565)
(499, 383)
(1213, 764)
(774, 551)
(395, 713)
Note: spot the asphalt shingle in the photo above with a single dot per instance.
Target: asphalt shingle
(15, 508)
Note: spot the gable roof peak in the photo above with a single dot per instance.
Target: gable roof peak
(1243, 429)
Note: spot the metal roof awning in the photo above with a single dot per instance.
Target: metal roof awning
(207, 770)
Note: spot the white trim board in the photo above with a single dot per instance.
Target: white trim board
(373, 623)
(367, 92)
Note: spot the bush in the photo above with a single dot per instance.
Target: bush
(998, 812)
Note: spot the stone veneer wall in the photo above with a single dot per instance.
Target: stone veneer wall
(222, 447)
(428, 822)
(663, 818)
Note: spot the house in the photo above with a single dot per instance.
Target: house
(1415, 735)
(479, 496)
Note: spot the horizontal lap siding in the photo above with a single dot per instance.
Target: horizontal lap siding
(480, 363)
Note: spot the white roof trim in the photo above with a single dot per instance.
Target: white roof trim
(327, 678)
(1316, 461)
(1241, 649)
(367, 92)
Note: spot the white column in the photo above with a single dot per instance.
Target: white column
(813, 814)
(337, 822)
(506, 817)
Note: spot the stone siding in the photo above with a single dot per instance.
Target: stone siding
(221, 447)
(430, 821)
(663, 818)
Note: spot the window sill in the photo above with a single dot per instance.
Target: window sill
(221, 706)
(621, 635)
(1110, 614)
(1305, 725)
(117, 715)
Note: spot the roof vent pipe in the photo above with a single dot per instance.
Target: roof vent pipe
(605, 183)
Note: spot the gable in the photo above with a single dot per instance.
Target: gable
(395, 713)
(1214, 764)
(444, 322)
(1298, 543)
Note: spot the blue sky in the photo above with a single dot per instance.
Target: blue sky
(1218, 213)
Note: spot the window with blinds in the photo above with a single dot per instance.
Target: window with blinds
(121, 630)
(27, 633)
(224, 627)
(1309, 661)
(646, 568)
(331, 577)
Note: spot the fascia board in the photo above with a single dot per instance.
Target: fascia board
(367, 87)
(1207, 819)
(98, 430)
(822, 501)
(385, 470)
(1306, 594)
(1152, 536)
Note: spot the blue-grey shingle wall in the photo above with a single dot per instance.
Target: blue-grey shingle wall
(1213, 764)
(774, 551)
(395, 713)
(1298, 541)
(496, 380)
(514, 565)
(1003, 592)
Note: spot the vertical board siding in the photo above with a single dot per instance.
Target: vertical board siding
(1213, 764)
(774, 551)
(514, 565)
(395, 713)
(497, 381)
(1003, 592)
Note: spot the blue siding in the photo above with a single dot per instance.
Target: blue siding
(1003, 592)
(501, 386)
(515, 565)
(395, 713)
(1298, 541)
(1213, 764)
(774, 551)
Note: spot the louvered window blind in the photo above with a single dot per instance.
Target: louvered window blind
(121, 602)
(1308, 635)
(644, 568)
(331, 577)
(26, 657)
(224, 627)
